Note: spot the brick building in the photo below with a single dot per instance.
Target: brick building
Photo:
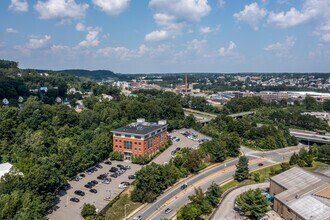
(140, 138)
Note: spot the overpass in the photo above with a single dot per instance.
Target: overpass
(241, 114)
(310, 136)
(202, 117)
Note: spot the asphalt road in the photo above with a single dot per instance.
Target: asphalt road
(176, 198)
(309, 135)
(226, 210)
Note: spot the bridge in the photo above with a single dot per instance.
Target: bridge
(310, 136)
(241, 114)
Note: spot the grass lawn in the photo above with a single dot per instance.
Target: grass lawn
(117, 211)
(317, 164)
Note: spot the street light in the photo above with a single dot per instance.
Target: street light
(125, 210)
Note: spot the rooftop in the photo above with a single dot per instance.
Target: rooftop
(140, 127)
(5, 168)
(307, 193)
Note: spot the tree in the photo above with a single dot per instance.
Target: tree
(242, 169)
(256, 176)
(253, 203)
(285, 166)
(326, 105)
(213, 194)
(88, 210)
(294, 159)
(310, 103)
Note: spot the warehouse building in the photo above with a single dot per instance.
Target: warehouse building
(300, 194)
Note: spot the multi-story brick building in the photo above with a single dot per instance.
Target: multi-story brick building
(140, 138)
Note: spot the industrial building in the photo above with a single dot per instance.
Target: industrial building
(300, 194)
(140, 138)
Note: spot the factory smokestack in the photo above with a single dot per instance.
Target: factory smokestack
(186, 83)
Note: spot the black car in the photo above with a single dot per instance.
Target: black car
(79, 193)
(93, 190)
(114, 175)
(108, 162)
(113, 169)
(94, 181)
(88, 186)
(65, 186)
(82, 175)
(131, 177)
(102, 176)
(99, 166)
(92, 184)
(74, 199)
(125, 183)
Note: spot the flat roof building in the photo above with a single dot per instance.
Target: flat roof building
(5, 168)
(301, 194)
(140, 138)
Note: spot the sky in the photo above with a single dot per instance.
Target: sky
(163, 36)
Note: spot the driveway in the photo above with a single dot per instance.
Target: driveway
(68, 210)
(226, 209)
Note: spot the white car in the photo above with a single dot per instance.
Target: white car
(122, 186)
(137, 218)
(107, 198)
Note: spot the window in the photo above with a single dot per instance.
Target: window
(135, 142)
(128, 136)
(135, 148)
(137, 137)
(158, 131)
(116, 134)
(149, 143)
(164, 128)
(128, 145)
(145, 137)
(139, 149)
(119, 146)
(139, 143)
(161, 137)
(153, 133)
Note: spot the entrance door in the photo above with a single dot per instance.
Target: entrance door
(128, 156)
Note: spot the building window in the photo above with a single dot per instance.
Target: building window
(135, 142)
(128, 145)
(128, 136)
(119, 140)
(163, 129)
(139, 143)
(158, 131)
(139, 149)
(145, 137)
(150, 143)
(137, 137)
(153, 133)
(135, 148)
(119, 146)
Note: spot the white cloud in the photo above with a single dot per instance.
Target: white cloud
(11, 30)
(221, 3)
(80, 27)
(175, 16)
(251, 14)
(282, 48)
(157, 36)
(196, 45)
(207, 29)
(91, 39)
(61, 9)
(112, 7)
(227, 51)
(323, 31)
(34, 43)
(311, 9)
(19, 5)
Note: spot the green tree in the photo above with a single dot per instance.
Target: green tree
(326, 105)
(88, 210)
(253, 203)
(242, 169)
(256, 176)
(213, 194)
(294, 159)
(310, 103)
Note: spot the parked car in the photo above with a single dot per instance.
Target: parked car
(93, 190)
(74, 199)
(79, 193)
(184, 186)
(88, 186)
(108, 198)
(137, 218)
(65, 186)
(114, 175)
(99, 166)
(178, 148)
(128, 167)
(122, 186)
(177, 139)
(75, 178)
(260, 164)
(95, 182)
(82, 175)
(173, 152)
(113, 169)
(131, 177)
(106, 181)
(168, 210)
(108, 162)
(124, 182)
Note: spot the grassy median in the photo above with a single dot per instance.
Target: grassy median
(117, 211)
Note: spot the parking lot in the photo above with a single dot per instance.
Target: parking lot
(71, 210)
(180, 141)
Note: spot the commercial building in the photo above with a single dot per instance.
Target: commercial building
(140, 138)
(300, 194)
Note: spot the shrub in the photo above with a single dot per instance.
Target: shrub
(116, 156)
(88, 210)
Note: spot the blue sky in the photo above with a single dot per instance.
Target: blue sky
(147, 36)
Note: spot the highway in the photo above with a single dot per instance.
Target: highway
(310, 136)
(175, 198)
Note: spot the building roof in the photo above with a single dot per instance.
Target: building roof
(5, 168)
(139, 128)
(306, 193)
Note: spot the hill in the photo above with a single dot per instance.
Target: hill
(94, 74)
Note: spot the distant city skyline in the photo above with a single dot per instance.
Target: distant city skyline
(164, 36)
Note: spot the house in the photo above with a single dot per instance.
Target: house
(300, 194)
(5, 168)
(140, 138)
(107, 97)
